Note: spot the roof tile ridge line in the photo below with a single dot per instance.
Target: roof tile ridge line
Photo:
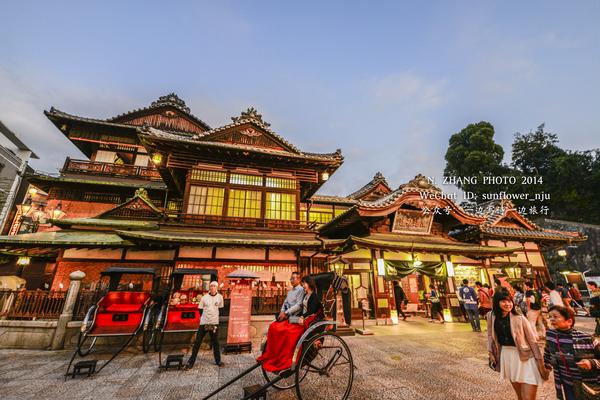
(56, 112)
(157, 132)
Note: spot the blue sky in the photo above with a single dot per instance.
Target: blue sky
(387, 82)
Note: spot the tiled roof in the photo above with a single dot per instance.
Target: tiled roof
(63, 238)
(56, 113)
(97, 180)
(427, 243)
(332, 199)
(170, 100)
(160, 134)
(200, 236)
(377, 179)
(251, 115)
(531, 234)
(105, 223)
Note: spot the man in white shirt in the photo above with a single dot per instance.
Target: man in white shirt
(555, 297)
(292, 305)
(209, 322)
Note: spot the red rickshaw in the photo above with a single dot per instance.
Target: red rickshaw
(126, 310)
(180, 313)
(322, 365)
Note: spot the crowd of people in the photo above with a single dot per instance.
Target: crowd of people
(518, 330)
(531, 334)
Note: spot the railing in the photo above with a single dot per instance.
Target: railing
(31, 304)
(238, 222)
(100, 168)
(85, 299)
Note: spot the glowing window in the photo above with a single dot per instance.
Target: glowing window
(244, 203)
(206, 200)
(242, 179)
(281, 206)
(281, 183)
(211, 176)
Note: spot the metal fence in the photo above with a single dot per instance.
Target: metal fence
(31, 304)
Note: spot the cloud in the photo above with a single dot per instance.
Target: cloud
(407, 91)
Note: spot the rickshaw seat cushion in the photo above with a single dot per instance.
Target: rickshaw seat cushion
(124, 301)
(124, 308)
(184, 307)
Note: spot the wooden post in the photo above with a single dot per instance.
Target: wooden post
(67, 313)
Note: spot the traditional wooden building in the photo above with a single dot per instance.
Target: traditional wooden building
(418, 235)
(162, 189)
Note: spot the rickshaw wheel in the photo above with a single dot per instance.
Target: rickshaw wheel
(325, 369)
(285, 383)
(81, 341)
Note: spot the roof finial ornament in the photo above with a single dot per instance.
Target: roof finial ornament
(141, 192)
(378, 176)
(171, 99)
(251, 114)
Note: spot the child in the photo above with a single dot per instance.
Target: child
(574, 355)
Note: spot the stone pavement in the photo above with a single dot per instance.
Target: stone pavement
(412, 360)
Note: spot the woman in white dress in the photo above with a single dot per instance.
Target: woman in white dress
(513, 348)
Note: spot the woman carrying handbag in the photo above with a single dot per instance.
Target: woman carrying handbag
(513, 348)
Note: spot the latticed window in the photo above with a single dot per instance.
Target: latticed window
(244, 203)
(243, 179)
(282, 183)
(320, 217)
(210, 176)
(206, 200)
(281, 206)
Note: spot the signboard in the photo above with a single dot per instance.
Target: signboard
(412, 221)
(238, 330)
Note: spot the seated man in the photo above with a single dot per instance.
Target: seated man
(283, 336)
(292, 305)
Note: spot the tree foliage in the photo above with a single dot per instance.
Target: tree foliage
(472, 152)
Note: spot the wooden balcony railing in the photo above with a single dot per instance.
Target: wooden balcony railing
(100, 168)
(238, 222)
(31, 304)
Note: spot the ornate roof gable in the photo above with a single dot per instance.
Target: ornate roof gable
(376, 188)
(249, 129)
(169, 112)
(138, 207)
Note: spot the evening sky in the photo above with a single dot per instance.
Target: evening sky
(387, 82)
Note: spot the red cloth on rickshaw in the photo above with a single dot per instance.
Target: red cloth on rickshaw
(281, 343)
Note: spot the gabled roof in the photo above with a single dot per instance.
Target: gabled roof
(378, 182)
(153, 133)
(139, 206)
(170, 100)
(10, 135)
(250, 117)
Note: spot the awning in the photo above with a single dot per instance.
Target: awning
(104, 223)
(215, 237)
(40, 243)
(424, 243)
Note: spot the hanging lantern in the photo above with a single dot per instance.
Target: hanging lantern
(23, 261)
(325, 176)
(156, 158)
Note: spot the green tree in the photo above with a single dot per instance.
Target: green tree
(472, 152)
(533, 153)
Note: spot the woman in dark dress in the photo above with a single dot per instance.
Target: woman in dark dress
(283, 336)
